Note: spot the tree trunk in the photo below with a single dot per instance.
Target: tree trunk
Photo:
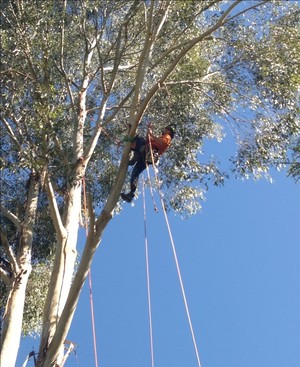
(56, 325)
(12, 324)
(62, 274)
(13, 318)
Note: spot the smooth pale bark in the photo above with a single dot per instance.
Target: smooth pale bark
(13, 318)
(12, 324)
(52, 356)
(63, 268)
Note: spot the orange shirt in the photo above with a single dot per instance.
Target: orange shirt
(162, 143)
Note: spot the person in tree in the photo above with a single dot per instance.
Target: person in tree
(140, 159)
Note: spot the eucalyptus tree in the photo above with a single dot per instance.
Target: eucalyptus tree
(80, 77)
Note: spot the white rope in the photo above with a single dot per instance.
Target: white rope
(181, 283)
(148, 279)
(151, 189)
(176, 260)
(90, 281)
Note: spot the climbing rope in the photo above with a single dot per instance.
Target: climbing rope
(151, 189)
(176, 259)
(148, 279)
(181, 282)
(90, 282)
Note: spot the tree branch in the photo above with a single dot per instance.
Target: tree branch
(12, 217)
(163, 15)
(91, 213)
(186, 43)
(245, 10)
(58, 225)
(9, 252)
(221, 21)
(98, 129)
(10, 132)
(71, 347)
(26, 235)
(4, 277)
(118, 55)
(62, 67)
(121, 105)
(194, 81)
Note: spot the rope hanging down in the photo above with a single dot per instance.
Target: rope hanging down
(148, 279)
(151, 189)
(90, 282)
(176, 259)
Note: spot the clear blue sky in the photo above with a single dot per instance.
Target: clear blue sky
(240, 263)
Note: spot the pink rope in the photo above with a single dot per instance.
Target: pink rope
(93, 319)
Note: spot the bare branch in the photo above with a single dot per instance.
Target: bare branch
(118, 56)
(68, 82)
(221, 21)
(187, 43)
(12, 217)
(163, 15)
(4, 277)
(8, 71)
(206, 7)
(99, 127)
(26, 235)
(116, 67)
(58, 146)
(71, 347)
(245, 10)
(91, 213)
(93, 140)
(9, 252)
(10, 132)
(58, 225)
(119, 50)
(24, 45)
(194, 81)
(62, 67)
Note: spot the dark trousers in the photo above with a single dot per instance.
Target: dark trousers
(138, 168)
(140, 165)
(140, 144)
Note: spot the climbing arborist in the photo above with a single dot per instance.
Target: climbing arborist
(142, 156)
